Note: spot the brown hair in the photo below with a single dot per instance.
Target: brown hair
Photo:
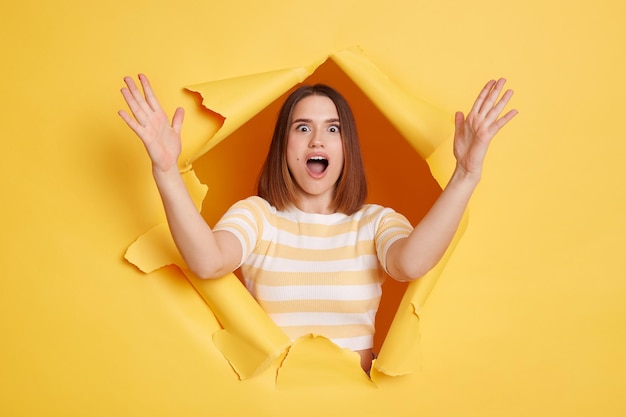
(277, 186)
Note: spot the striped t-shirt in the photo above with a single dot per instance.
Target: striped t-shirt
(316, 273)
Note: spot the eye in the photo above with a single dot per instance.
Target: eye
(303, 128)
(334, 129)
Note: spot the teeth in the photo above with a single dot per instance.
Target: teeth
(317, 158)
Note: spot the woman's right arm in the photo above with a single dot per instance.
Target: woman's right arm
(208, 254)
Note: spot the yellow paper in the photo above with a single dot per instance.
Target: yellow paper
(422, 124)
(239, 99)
(314, 361)
(526, 319)
(401, 353)
(249, 340)
(156, 249)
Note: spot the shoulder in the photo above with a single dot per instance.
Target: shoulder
(374, 211)
(254, 204)
(251, 210)
(380, 216)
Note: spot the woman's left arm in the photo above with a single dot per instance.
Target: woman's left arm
(412, 257)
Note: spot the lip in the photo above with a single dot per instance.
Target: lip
(316, 154)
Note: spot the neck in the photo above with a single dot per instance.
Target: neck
(315, 206)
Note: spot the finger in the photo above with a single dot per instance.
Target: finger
(137, 95)
(149, 93)
(177, 120)
(497, 109)
(130, 122)
(135, 108)
(482, 96)
(492, 96)
(499, 124)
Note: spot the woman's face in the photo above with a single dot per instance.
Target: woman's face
(315, 152)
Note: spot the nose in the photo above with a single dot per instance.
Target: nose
(316, 140)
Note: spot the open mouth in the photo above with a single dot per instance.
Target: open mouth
(317, 164)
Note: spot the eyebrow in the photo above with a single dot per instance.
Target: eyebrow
(302, 120)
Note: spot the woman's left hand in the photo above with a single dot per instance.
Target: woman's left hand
(474, 133)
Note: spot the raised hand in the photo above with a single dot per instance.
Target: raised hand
(151, 124)
(474, 133)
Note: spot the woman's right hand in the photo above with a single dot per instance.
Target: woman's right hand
(151, 124)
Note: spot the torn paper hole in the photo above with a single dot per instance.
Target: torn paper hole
(424, 130)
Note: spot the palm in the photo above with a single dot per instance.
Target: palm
(150, 123)
(474, 133)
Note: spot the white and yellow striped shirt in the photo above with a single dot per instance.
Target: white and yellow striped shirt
(316, 273)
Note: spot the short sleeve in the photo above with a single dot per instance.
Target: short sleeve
(391, 227)
(244, 219)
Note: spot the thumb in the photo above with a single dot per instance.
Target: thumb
(177, 120)
(459, 119)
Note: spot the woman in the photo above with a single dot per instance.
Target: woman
(311, 252)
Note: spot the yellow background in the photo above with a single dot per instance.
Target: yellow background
(528, 317)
